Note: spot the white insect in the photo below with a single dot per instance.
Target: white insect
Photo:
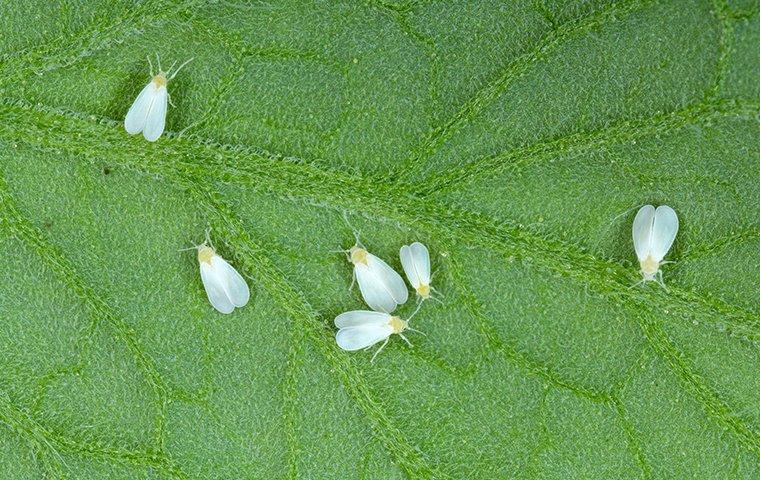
(362, 328)
(653, 234)
(225, 287)
(415, 259)
(382, 288)
(148, 112)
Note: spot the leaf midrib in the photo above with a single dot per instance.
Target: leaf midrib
(290, 179)
(588, 269)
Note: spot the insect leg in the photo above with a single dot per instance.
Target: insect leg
(380, 349)
(406, 339)
(660, 280)
(416, 331)
(419, 305)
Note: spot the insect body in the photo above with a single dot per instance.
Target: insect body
(653, 233)
(225, 287)
(362, 328)
(148, 112)
(382, 288)
(415, 259)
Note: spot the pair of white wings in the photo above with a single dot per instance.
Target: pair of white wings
(415, 259)
(654, 231)
(148, 113)
(382, 288)
(361, 329)
(225, 287)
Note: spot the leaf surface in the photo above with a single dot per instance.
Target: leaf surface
(515, 139)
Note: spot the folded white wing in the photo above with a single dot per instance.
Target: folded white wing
(664, 231)
(356, 338)
(357, 318)
(415, 259)
(156, 119)
(214, 285)
(375, 294)
(137, 116)
(232, 282)
(388, 277)
(642, 231)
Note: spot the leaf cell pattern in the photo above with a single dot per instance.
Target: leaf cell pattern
(542, 362)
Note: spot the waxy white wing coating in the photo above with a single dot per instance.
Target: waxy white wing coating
(642, 231)
(225, 287)
(154, 126)
(375, 294)
(356, 338)
(214, 285)
(381, 287)
(232, 282)
(415, 259)
(663, 231)
(137, 116)
(361, 317)
(148, 113)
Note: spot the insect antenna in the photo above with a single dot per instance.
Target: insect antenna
(416, 331)
(208, 238)
(419, 305)
(611, 223)
(356, 232)
(438, 297)
(178, 68)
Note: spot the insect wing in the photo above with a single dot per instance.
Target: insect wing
(388, 277)
(356, 338)
(642, 231)
(156, 119)
(214, 285)
(233, 283)
(358, 318)
(137, 116)
(664, 231)
(407, 262)
(374, 292)
(421, 261)
(415, 259)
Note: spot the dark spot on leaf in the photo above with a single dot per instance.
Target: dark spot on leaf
(106, 170)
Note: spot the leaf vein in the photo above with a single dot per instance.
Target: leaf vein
(23, 229)
(487, 95)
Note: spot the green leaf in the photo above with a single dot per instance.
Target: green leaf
(515, 139)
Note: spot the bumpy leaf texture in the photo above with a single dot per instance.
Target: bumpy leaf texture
(515, 139)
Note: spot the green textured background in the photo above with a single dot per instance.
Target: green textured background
(516, 139)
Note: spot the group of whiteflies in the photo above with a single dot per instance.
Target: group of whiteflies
(381, 287)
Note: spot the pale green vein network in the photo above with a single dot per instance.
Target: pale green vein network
(192, 162)
(502, 239)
